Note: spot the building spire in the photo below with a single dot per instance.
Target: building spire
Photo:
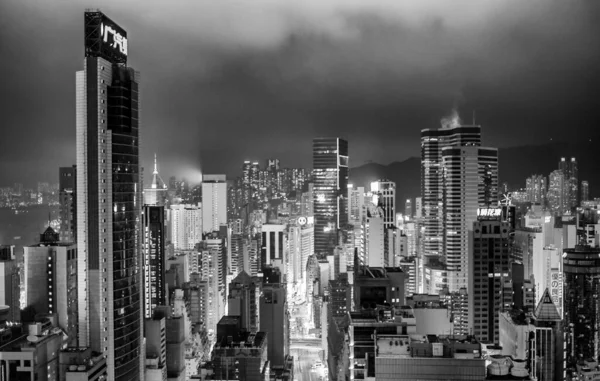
(155, 166)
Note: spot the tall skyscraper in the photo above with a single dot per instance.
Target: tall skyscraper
(470, 181)
(330, 170)
(581, 266)
(571, 176)
(214, 202)
(68, 205)
(557, 197)
(537, 187)
(110, 200)
(157, 193)
(186, 226)
(154, 258)
(384, 196)
(274, 246)
(432, 143)
(356, 204)
(489, 266)
(408, 208)
(10, 283)
(585, 191)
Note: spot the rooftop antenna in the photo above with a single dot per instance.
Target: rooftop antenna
(155, 166)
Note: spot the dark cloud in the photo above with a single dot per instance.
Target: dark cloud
(230, 80)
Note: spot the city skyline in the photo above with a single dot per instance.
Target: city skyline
(223, 82)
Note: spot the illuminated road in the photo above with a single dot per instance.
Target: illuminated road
(303, 360)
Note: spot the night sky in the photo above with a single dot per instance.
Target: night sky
(224, 81)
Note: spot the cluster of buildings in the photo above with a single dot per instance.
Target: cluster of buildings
(17, 196)
(227, 280)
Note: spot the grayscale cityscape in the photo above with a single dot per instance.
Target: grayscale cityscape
(315, 191)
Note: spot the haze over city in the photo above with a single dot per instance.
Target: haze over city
(228, 81)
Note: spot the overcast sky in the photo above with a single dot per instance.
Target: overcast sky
(224, 81)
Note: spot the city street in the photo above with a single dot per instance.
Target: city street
(303, 360)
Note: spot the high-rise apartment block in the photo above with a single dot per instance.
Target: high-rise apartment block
(330, 170)
(570, 171)
(109, 200)
(186, 225)
(214, 202)
(536, 187)
(585, 191)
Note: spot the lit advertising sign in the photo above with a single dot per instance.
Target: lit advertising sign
(556, 290)
(104, 38)
(112, 38)
(305, 220)
(489, 213)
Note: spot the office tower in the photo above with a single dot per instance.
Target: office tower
(585, 191)
(239, 354)
(157, 193)
(214, 267)
(536, 187)
(356, 204)
(154, 257)
(307, 201)
(470, 181)
(408, 209)
(557, 196)
(186, 225)
(307, 245)
(214, 202)
(549, 341)
(384, 196)
(274, 246)
(418, 207)
(571, 182)
(110, 200)
(374, 242)
(330, 170)
(68, 204)
(581, 266)
(50, 280)
(489, 266)
(432, 143)
(156, 348)
(243, 299)
(274, 319)
(9, 283)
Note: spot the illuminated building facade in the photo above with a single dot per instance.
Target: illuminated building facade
(489, 266)
(536, 187)
(214, 202)
(432, 143)
(384, 196)
(154, 258)
(67, 184)
(470, 181)
(110, 200)
(330, 166)
(557, 197)
(585, 191)
(571, 182)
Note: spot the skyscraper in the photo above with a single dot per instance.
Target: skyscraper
(186, 226)
(384, 195)
(330, 166)
(537, 187)
(571, 176)
(110, 200)
(157, 193)
(557, 197)
(432, 143)
(68, 205)
(274, 317)
(489, 265)
(581, 266)
(585, 191)
(154, 258)
(408, 208)
(214, 202)
(470, 181)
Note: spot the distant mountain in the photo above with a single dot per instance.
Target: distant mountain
(516, 164)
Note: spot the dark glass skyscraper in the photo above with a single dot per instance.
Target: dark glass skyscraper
(109, 201)
(330, 171)
(154, 258)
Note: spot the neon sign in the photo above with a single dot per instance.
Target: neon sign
(113, 38)
(489, 212)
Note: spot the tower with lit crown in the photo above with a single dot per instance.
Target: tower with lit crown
(157, 193)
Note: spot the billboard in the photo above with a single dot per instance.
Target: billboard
(556, 290)
(489, 213)
(105, 38)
